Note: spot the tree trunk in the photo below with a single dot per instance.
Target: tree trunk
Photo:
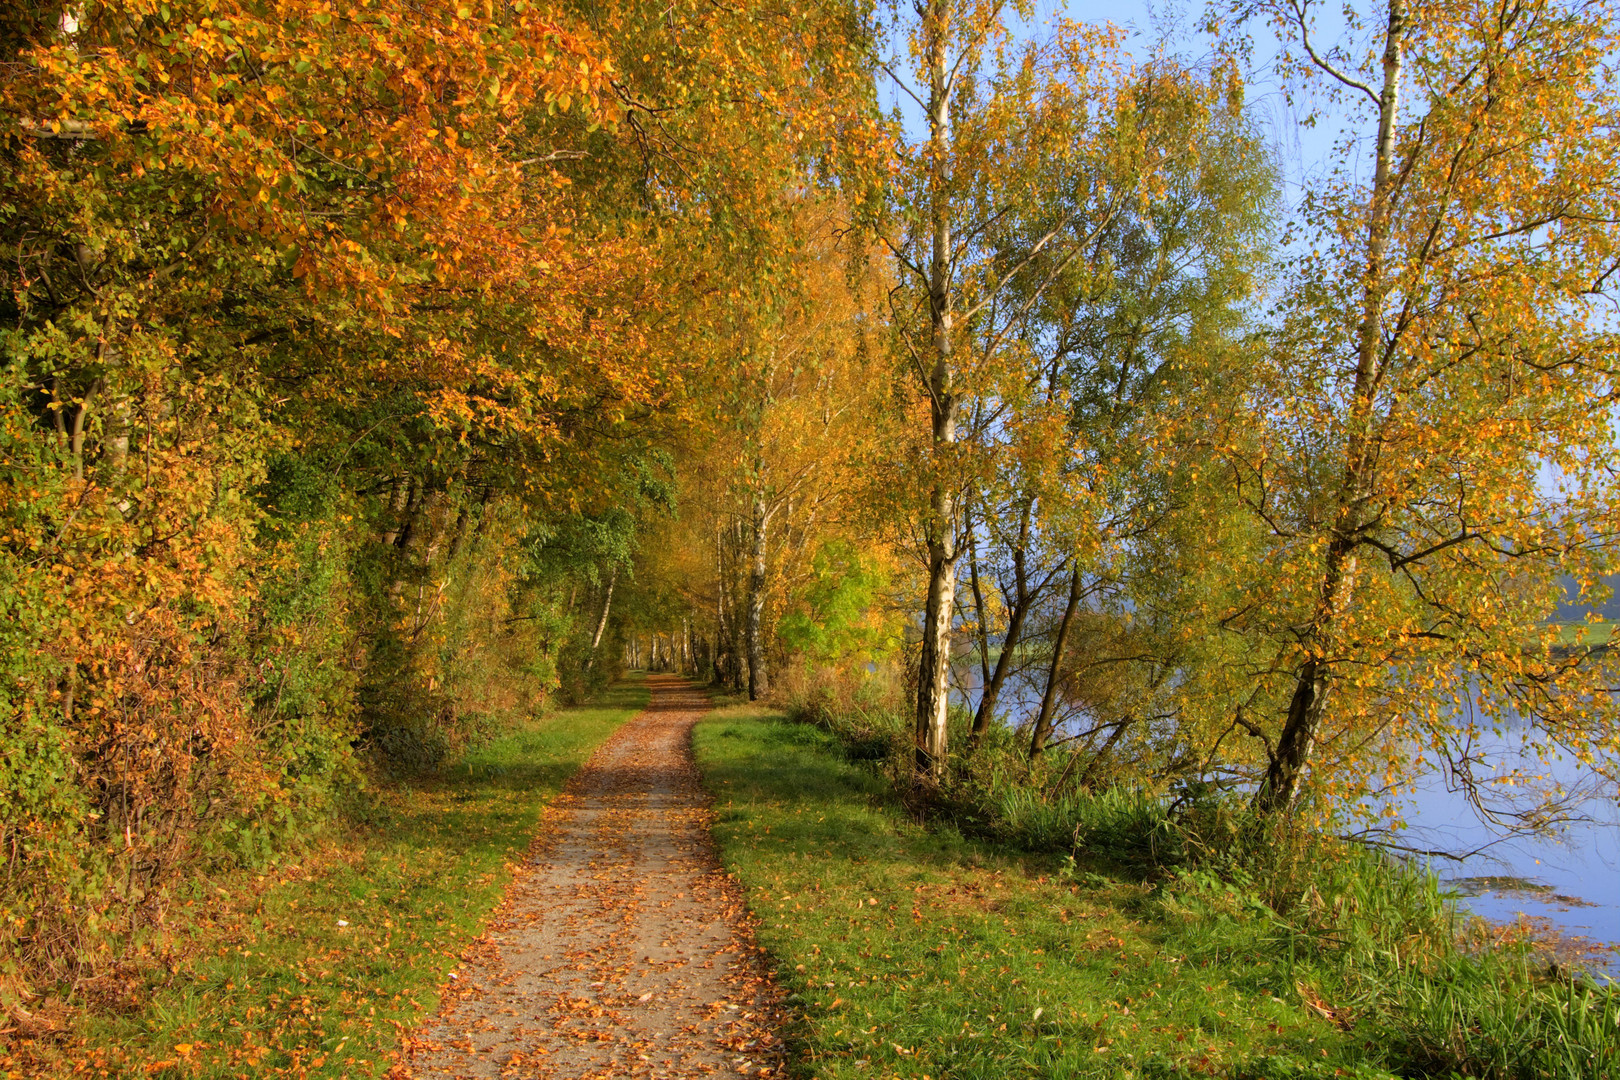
(601, 623)
(76, 437)
(438, 527)
(1084, 783)
(933, 676)
(1023, 599)
(464, 521)
(730, 663)
(421, 529)
(458, 532)
(1043, 722)
(1009, 645)
(979, 617)
(115, 434)
(758, 682)
(407, 516)
(116, 414)
(719, 604)
(737, 663)
(1308, 703)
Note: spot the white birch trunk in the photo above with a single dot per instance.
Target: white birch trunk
(933, 685)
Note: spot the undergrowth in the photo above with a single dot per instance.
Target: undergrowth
(1315, 958)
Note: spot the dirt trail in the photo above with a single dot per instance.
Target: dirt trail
(621, 950)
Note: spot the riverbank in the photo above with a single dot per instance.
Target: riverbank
(317, 969)
(913, 950)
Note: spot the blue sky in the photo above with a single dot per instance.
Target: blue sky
(1303, 151)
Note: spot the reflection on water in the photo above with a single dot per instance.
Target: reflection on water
(1572, 881)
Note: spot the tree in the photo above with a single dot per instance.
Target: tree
(1000, 123)
(317, 324)
(1069, 215)
(811, 402)
(771, 470)
(1142, 339)
(1443, 341)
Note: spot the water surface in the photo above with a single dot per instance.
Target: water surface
(1568, 883)
(1570, 880)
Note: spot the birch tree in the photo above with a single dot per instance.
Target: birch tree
(1446, 339)
(999, 122)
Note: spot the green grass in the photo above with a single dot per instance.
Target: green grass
(915, 952)
(1581, 633)
(269, 982)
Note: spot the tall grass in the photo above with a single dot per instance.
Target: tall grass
(1366, 940)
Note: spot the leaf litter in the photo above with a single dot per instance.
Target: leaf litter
(622, 949)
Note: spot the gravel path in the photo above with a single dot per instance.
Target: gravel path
(621, 949)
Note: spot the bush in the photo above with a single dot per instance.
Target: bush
(172, 696)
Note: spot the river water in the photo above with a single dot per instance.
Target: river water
(1569, 882)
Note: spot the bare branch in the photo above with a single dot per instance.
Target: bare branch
(555, 155)
(1298, 7)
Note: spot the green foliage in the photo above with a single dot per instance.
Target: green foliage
(303, 699)
(839, 617)
(155, 721)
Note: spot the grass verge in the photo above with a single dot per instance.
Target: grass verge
(315, 970)
(915, 952)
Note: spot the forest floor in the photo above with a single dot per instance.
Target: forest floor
(621, 950)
